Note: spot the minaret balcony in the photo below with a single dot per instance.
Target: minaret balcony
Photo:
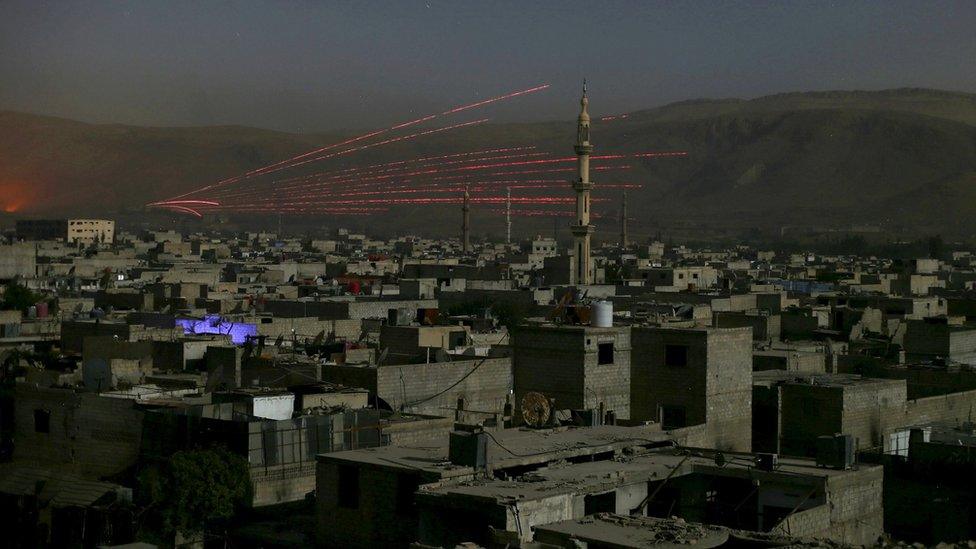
(582, 186)
(582, 230)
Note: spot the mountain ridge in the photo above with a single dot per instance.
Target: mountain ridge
(886, 156)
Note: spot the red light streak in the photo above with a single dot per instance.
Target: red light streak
(201, 202)
(291, 161)
(428, 200)
(494, 99)
(182, 209)
(391, 140)
(316, 180)
(542, 213)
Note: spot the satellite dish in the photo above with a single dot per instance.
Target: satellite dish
(536, 409)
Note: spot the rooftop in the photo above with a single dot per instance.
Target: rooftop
(511, 448)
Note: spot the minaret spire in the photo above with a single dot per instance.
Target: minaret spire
(581, 228)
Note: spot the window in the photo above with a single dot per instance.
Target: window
(605, 353)
(672, 417)
(675, 355)
(600, 503)
(348, 487)
(42, 421)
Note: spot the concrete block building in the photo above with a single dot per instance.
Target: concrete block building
(798, 497)
(91, 231)
(581, 367)
(431, 388)
(699, 376)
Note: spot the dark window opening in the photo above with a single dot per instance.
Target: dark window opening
(605, 353)
(600, 503)
(675, 355)
(672, 417)
(348, 487)
(42, 421)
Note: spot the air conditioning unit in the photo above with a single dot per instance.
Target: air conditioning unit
(836, 451)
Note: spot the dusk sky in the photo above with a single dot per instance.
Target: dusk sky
(314, 66)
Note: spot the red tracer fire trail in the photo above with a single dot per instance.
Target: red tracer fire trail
(288, 162)
(481, 165)
(313, 181)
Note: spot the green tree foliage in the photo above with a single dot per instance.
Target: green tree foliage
(195, 490)
(17, 297)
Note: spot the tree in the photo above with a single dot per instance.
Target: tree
(195, 490)
(17, 297)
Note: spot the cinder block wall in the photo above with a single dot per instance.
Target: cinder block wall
(654, 384)
(728, 398)
(809, 411)
(563, 363)
(89, 436)
(714, 387)
(375, 521)
(435, 388)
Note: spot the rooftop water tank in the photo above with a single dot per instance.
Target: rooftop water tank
(601, 314)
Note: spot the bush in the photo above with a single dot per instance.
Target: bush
(195, 490)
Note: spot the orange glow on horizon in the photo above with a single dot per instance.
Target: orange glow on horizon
(15, 195)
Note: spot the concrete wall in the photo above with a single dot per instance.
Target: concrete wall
(18, 260)
(865, 409)
(375, 520)
(563, 363)
(432, 388)
(89, 435)
(713, 388)
(435, 388)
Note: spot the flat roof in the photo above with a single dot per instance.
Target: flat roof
(602, 476)
(510, 448)
(772, 377)
(625, 531)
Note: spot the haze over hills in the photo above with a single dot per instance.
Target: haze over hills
(903, 157)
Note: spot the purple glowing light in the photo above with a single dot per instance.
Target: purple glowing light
(215, 325)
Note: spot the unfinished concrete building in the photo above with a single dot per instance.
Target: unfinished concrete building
(510, 483)
(581, 367)
(701, 376)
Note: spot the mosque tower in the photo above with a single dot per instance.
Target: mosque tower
(581, 228)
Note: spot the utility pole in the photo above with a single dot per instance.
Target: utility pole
(508, 215)
(466, 222)
(623, 223)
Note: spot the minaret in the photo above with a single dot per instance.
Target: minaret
(582, 229)
(623, 223)
(466, 222)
